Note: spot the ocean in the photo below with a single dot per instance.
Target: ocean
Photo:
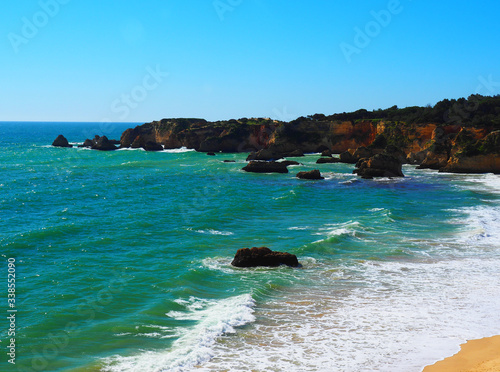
(122, 261)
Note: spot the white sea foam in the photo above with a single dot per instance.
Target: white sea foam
(381, 316)
(349, 228)
(178, 151)
(214, 319)
(214, 232)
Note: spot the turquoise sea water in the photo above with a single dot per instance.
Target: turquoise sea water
(123, 261)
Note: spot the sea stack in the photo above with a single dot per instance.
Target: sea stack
(263, 256)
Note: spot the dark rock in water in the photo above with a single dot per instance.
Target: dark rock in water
(265, 167)
(152, 146)
(211, 153)
(482, 156)
(290, 162)
(322, 148)
(141, 143)
(263, 257)
(103, 144)
(396, 152)
(114, 142)
(327, 153)
(348, 157)
(87, 143)
(380, 165)
(327, 160)
(61, 141)
(138, 143)
(229, 161)
(295, 154)
(310, 175)
(264, 154)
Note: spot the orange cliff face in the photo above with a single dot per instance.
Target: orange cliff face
(348, 135)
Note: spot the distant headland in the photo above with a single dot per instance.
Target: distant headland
(461, 136)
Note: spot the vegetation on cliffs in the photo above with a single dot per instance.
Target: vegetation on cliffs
(429, 136)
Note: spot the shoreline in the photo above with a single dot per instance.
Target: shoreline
(482, 355)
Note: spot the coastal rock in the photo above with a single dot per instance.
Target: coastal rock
(141, 142)
(265, 167)
(88, 143)
(294, 154)
(211, 153)
(138, 143)
(482, 156)
(326, 153)
(473, 164)
(61, 141)
(328, 160)
(290, 162)
(348, 157)
(152, 146)
(310, 175)
(380, 165)
(263, 256)
(103, 144)
(416, 157)
(265, 155)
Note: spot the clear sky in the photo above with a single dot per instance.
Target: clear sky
(137, 61)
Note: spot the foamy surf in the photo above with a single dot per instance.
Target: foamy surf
(403, 317)
(178, 151)
(215, 318)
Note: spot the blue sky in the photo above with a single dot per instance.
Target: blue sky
(103, 60)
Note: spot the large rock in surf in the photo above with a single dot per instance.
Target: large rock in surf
(310, 175)
(103, 144)
(330, 160)
(61, 141)
(482, 156)
(263, 256)
(265, 155)
(290, 162)
(265, 167)
(380, 165)
(326, 153)
(88, 143)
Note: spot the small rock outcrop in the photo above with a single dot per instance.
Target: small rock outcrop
(103, 144)
(290, 162)
(380, 165)
(153, 146)
(294, 154)
(263, 256)
(330, 160)
(61, 141)
(87, 143)
(348, 157)
(265, 167)
(310, 175)
(326, 153)
(265, 155)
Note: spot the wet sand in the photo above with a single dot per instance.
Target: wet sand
(475, 356)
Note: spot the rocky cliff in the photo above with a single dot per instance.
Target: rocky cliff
(430, 137)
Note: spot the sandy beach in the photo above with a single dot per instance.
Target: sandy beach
(475, 356)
